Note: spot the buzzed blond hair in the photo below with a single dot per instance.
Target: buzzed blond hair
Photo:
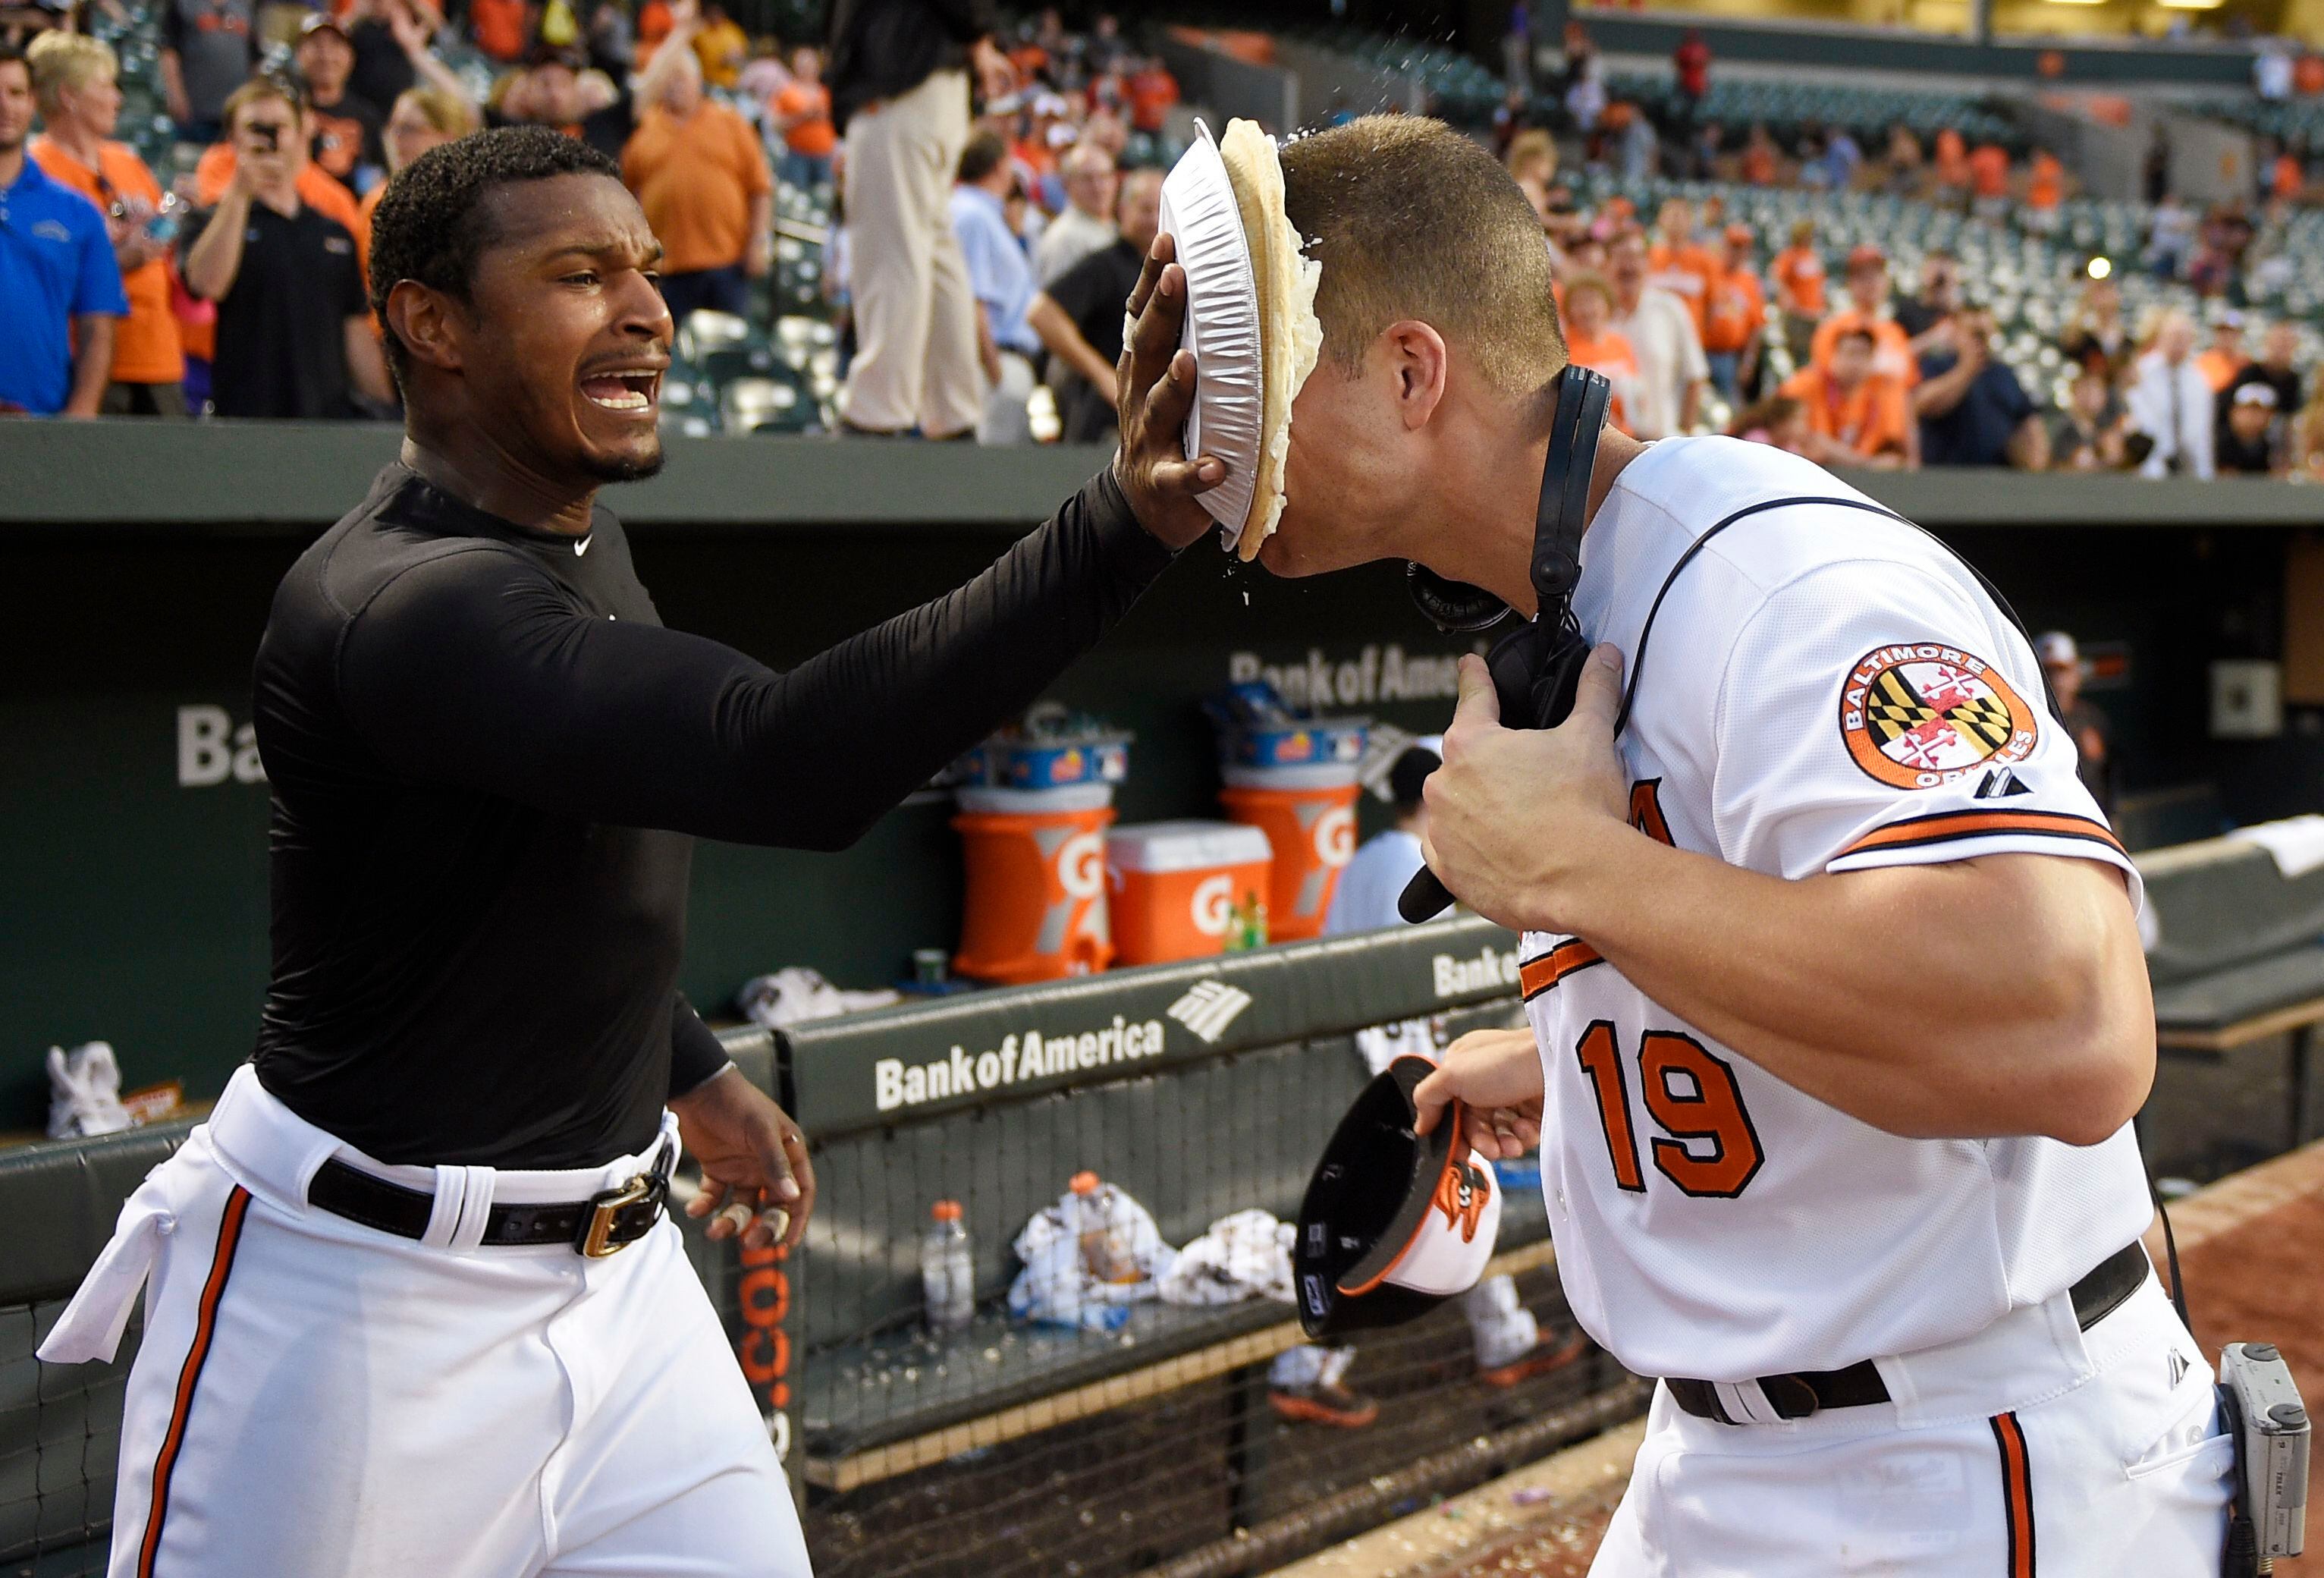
(65, 59)
(1410, 220)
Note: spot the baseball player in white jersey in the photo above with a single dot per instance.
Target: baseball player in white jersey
(1838, 1012)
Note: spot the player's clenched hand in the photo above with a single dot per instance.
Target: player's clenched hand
(1497, 1074)
(1515, 814)
(1153, 389)
(754, 1169)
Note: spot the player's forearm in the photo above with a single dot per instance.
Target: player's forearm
(1973, 999)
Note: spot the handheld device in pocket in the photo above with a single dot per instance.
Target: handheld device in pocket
(2265, 1414)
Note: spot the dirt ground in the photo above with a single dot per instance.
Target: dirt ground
(2252, 1251)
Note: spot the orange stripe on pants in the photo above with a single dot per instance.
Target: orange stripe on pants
(165, 1462)
(2016, 1493)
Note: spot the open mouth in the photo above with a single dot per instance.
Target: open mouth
(623, 389)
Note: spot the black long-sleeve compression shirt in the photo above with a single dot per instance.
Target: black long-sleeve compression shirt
(490, 761)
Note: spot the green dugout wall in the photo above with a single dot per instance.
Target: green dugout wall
(137, 562)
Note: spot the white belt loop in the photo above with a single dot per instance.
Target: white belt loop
(1745, 1403)
(475, 1208)
(444, 1219)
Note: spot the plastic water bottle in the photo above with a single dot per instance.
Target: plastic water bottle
(948, 1269)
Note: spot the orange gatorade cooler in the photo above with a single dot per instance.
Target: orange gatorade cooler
(1036, 908)
(1308, 814)
(1173, 886)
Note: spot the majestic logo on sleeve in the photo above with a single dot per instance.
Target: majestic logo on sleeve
(1918, 716)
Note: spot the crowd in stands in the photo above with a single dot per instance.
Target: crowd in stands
(1743, 285)
(223, 160)
(982, 199)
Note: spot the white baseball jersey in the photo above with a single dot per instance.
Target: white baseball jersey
(1825, 689)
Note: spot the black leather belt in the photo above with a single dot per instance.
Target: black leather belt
(1803, 1392)
(596, 1227)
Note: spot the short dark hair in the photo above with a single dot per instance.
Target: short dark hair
(981, 157)
(431, 225)
(1411, 219)
(9, 52)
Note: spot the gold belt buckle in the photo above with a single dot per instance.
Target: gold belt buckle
(604, 1208)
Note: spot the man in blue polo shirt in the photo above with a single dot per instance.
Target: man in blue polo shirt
(57, 274)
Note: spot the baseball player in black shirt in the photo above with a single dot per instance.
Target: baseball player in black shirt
(415, 1306)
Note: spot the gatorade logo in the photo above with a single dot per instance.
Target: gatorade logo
(1214, 905)
(1335, 836)
(1081, 865)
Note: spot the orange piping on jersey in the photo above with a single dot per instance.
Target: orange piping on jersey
(2016, 1493)
(1945, 825)
(165, 1462)
(1537, 975)
(1647, 811)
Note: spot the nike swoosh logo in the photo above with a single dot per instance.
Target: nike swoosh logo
(582, 547)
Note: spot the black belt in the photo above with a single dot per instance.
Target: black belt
(1803, 1392)
(596, 1227)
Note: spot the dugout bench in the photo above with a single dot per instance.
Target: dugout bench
(2238, 957)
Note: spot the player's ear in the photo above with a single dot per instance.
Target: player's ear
(1419, 365)
(427, 324)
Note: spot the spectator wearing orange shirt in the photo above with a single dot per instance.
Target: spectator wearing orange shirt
(1591, 341)
(1762, 160)
(722, 47)
(1680, 263)
(1868, 310)
(802, 114)
(499, 29)
(73, 81)
(2286, 180)
(2046, 191)
(1950, 162)
(1857, 415)
(2224, 358)
(702, 179)
(1988, 180)
(1799, 274)
(1151, 90)
(1734, 314)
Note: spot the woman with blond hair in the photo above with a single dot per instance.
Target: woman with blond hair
(1533, 154)
(423, 118)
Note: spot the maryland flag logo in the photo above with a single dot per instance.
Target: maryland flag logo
(1461, 1190)
(1918, 716)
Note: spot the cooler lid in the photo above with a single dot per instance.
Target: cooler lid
(1190, 846)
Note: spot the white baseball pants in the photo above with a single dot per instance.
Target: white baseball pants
(317, 1398)
(2032, 1450)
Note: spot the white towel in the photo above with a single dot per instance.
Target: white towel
(2296, 842)
(1240, 1256)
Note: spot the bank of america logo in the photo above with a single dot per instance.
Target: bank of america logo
(1209, 1007)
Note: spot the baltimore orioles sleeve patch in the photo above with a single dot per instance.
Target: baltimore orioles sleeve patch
(1922, 716)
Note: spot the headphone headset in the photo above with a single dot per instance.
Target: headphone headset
(1537, 666)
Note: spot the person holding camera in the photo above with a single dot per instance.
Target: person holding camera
(293, 320)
